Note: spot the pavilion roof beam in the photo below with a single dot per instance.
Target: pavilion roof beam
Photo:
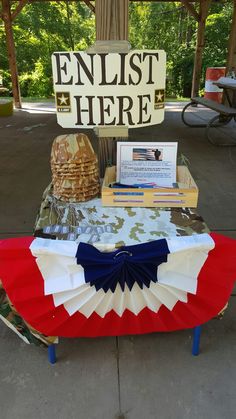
(90, 5)
(133, 1)
(191, 10)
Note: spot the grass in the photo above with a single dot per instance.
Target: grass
(38, 99)
(31, 99)
(177, 99)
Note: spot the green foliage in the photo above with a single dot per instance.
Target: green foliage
(168, 26)
(39, 30)
(216, 39)
(36, 83)
(45, 27)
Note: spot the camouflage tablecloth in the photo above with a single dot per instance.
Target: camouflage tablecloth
(90, 222)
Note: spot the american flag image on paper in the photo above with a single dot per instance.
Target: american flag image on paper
(69, 289)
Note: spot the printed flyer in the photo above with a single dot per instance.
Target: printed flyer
(147, 164)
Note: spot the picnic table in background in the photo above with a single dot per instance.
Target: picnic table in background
(225, 113)
(229, 87)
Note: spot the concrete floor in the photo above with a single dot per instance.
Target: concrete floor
(151, 376)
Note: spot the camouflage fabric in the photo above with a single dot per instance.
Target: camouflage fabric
(74, 166)
(11, 318)
(92, 223)
(72, 148)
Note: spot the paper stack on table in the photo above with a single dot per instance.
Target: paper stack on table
(75, 173)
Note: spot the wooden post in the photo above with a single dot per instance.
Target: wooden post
(231, 59)
(11, 52)
(111, 19)
(111, 36)
(197, 70)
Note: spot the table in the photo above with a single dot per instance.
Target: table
(112, 228)
(225, 113)
(12, 319)
(229, 88)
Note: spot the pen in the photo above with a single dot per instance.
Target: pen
(121, 185)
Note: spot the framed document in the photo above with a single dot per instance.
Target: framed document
(147, 164)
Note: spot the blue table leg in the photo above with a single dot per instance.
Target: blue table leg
(52, 354)
(196, 340)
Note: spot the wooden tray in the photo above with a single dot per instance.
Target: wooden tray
(185, 195)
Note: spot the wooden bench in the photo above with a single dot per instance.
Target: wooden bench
(225, 115)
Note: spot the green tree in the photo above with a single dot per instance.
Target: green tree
(39, 30)
(45, 27)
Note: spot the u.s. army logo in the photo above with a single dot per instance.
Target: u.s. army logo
(63, 102)
(159, 99)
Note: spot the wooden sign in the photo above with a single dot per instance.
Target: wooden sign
(109, 89)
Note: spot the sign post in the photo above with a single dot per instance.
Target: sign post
(109, 87)
(112, 29)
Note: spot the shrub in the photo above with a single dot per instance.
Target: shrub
(36, 83)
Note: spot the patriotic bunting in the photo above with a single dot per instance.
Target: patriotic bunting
(64, 288)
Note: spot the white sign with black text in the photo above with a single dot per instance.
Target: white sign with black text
(109, 89)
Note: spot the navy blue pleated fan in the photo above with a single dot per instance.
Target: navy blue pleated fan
(126, 265)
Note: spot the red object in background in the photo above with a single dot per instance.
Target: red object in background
(212, 75)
